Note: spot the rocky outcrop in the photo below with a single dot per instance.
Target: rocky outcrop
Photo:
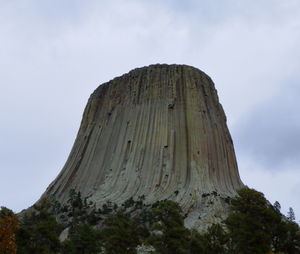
(143, 249)
(157, 131)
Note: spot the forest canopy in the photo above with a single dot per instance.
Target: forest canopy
(252, 226)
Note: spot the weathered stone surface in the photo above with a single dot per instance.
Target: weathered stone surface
(64, 234)
(157, 131)
(143, 249)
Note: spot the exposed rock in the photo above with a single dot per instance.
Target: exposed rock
(157, 131)
(144, 249)
(64, 234)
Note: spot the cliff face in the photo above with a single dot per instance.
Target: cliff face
(157, 131)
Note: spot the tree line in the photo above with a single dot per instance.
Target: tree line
(253, 226)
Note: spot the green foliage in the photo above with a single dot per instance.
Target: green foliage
(257, 227)
(39, 231)
(120, 234)
(215, 240)
(287, 238)
(83, 239)
(169, 236)
(277, 206)
(5, 212)
(79, 210)
(285, 234)
(129, 203)
(251, 222)
(291, 215)
(252, 227)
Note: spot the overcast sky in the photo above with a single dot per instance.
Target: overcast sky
(54, 53)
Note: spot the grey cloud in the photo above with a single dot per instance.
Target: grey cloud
(252, 12)
(270, 134)
(55, 53)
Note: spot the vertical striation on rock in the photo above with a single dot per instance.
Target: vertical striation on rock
(157, 131)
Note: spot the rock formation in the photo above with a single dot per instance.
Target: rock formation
(157, 131)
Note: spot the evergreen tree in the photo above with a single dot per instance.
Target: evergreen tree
(215, 240)
(76, 204)
(39, 231)
(120, 234)
(291, 241)
(169, 236)
(82, 239)
(279, 235)
(277, 206)
(253, 226)
(291, 215)
(251, 222)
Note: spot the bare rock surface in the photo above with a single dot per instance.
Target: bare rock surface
(143, 249)
(157, 131)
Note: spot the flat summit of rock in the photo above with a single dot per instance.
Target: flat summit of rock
(159, 132)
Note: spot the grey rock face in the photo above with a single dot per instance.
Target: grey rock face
(142, 249)
(157, 131)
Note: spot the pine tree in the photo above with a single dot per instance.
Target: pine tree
(291, 215)
(83, 239)
(215, 240)
(169, 236)
(251, 221)
(277, 206)
(39, 231)
(120, 234)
